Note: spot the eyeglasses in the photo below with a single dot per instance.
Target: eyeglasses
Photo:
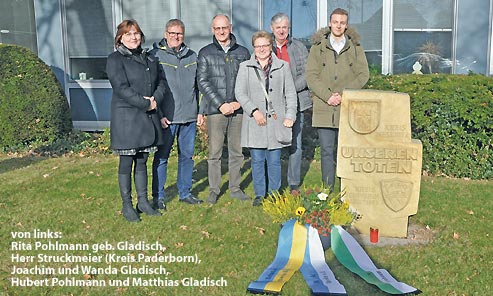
(175, 34)
(217, 29)
(133, 34)
(279, 28)
(265, 46)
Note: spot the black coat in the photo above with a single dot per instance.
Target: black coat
(216, 74)
(132, 77)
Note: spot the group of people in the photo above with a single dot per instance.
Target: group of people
(165, 93)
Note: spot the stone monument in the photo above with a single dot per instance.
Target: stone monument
(378, 162)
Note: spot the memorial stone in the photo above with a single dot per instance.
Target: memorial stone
(378, 162)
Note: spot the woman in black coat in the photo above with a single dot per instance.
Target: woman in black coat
(138, 88)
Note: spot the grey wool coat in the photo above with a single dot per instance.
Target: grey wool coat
(249, 94)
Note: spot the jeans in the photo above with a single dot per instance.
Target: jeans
(295, 151)
(328, 145)
(185, 133)
(273, 159)
(220, 126)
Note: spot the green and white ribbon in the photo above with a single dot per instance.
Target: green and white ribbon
(353, 257)
(299, 248)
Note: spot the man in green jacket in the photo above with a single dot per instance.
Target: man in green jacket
(336, 61)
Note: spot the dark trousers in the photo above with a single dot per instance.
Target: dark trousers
(328, 154)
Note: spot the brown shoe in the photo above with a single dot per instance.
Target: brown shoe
(294, 190)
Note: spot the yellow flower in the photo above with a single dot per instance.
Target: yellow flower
(300, 211)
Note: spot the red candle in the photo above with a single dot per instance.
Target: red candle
(373, 235)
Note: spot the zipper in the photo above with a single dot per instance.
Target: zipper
(188, 65)
(170, 65)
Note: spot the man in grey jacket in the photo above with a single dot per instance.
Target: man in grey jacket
(179, 109)
(295, 53)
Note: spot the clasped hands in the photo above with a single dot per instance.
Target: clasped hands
(153, 105)
(335, 99)
(165, 122)
(229, 108)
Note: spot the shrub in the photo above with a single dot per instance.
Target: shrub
(77, 142)
(33, 108)
(452, 116)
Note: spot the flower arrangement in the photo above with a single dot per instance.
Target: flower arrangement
(316, 206)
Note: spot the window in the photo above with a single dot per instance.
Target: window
(151, 15)
(197, 17)
(423, 34)
(17, 24)
(302, 17)
(89, 38)
(473, 29)
(366, 17)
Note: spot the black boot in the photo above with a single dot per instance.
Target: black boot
(143, 204)
(158, 204)
(128, 211)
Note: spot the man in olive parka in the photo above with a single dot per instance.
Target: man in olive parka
(336, 61)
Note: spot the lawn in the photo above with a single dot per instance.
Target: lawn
(74, 201)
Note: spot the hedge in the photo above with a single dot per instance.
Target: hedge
(452, 115)
(33, 107)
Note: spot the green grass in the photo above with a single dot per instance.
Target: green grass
(79, 197)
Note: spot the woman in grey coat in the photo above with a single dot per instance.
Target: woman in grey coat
(258, 131)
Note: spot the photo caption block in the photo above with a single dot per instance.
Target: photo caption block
(45, 258)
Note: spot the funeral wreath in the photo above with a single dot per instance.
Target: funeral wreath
(318, 206)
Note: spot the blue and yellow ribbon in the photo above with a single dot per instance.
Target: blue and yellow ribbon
(289, 258)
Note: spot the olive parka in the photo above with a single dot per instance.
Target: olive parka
(133, 76)
(328, 72)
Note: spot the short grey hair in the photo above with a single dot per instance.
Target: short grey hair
(278, 17)
(175, 22)
(221, 14)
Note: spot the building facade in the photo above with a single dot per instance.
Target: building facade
(74, 37)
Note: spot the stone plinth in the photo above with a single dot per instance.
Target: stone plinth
(378, 162)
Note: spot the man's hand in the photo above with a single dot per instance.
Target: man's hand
(226, 109)
(165, 122)
(235, 105)
(335, 99)
(200, 119)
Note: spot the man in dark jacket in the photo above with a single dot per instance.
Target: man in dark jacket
(179, 108)
(295, 53)
(218, 65)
